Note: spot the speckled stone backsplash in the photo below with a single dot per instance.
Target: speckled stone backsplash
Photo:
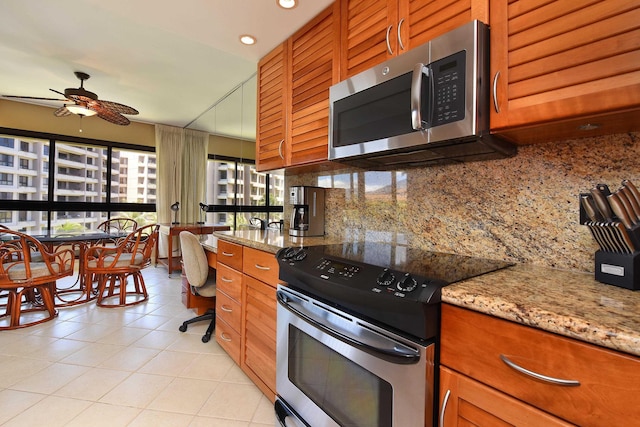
(523, 209)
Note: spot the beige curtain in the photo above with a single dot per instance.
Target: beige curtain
(181, 155)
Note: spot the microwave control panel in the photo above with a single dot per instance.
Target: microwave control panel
(449, 88)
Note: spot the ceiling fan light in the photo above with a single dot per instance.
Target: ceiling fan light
(81, 110)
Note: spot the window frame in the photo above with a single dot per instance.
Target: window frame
(51, 206)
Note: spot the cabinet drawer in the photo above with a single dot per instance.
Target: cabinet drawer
(229, 281)
(475, 345)
(228, 339)
(230, 254)
(261, 265)
(228, 310)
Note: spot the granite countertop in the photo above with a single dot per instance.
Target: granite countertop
(568, 303)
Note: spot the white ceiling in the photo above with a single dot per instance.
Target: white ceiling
(172, 60)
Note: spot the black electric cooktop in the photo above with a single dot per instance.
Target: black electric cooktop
(391, 285)
(440, 266)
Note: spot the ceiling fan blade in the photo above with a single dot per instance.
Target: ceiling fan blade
(34, 97)
(60, 93)
(111, 116)
(62, 112)
(116, 107)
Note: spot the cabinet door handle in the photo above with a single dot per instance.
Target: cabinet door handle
(225, 337)
(225, 280)
(400, 35)
(260, 267)
(226, 308)
(545, 378)
(280, 150)
(388, 42)
(227, 253)
(444, 407)
(495, 92)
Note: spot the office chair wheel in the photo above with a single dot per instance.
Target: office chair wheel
(206, 338)
(183, 327)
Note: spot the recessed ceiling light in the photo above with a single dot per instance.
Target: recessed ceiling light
(247, 39)
(287, 4)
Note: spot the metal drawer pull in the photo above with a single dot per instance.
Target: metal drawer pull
(225, 337)
(444, 407)
(556, 381)
(225, 280)
(399, 36)
(227, 253)
(226, 308)
(260, 267)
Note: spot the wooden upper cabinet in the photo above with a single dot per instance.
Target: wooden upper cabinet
(272, 109)
(373, 31)
(293, 94)
(563, 60)
(314, 54)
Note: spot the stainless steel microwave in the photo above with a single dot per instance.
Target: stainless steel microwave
(429, 105)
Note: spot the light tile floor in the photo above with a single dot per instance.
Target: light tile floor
(129, 366)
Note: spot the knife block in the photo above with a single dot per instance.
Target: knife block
(618, 269)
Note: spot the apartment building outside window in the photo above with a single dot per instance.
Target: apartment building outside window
(79, 190)
(233, 201)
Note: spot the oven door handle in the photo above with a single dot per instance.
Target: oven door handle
(285, 416)
(398, 353)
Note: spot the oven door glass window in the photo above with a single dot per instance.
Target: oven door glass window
(350, 394)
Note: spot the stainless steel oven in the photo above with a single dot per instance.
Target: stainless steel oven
(343, 371)
(357, 333)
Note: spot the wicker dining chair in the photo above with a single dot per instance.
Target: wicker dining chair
(112, 266)
(28, 280)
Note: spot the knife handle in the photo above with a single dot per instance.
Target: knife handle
(636, 194)
(619, 209)
(633, 203)
(602, 204)
(589, 208)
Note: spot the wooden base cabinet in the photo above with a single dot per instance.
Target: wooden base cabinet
(577, 382)
(259, 335)
(229, 298)
(465, 402)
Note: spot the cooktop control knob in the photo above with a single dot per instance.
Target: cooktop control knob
(385, 278)
(407, 283)
(295, 254)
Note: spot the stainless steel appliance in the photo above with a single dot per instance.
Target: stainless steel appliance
(357, 333)
(307, 217)
(428, 105)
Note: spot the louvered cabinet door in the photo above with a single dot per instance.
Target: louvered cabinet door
(421, 21)
(272, 110)
(314, 52)
(363, 34)
(562, 60)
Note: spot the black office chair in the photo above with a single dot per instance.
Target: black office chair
(196, 269)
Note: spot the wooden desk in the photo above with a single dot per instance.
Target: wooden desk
(173, 230)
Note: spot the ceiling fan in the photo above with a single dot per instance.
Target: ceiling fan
(84, 103)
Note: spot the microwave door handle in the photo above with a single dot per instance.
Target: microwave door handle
(416, 97)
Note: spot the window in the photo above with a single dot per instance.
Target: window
(6, 160)
(233, 201)
(6, 179)
(5, 217)
(79, 182)
(6, 142)
(135, 176)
